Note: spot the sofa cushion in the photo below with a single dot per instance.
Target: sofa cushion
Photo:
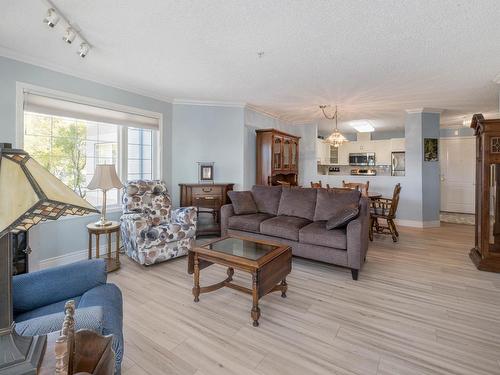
(248, 223)
(330, 202)
(283, 226)
(342, 217)
(243, 202)
(267, 198)
(298, 202)
(317, 234)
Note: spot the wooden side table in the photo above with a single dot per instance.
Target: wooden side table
(112, 264)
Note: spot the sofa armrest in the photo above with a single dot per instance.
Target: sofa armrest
(41, 288)
(357, 236)
(85, 318)
(226, 212)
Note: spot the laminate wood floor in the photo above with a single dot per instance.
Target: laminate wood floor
(419, 307)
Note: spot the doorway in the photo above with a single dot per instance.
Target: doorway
(457, 158)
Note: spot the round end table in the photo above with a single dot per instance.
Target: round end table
(112, 263)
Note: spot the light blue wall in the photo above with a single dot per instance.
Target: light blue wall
(210, 134)
(456, 132)
(431, 185)
(378, 136)
(413, 160)
(52, 239)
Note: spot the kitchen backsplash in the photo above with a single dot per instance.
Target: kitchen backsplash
(344, 170)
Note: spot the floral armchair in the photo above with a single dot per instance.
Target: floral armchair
(151, 231)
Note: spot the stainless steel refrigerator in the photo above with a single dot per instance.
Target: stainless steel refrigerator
(398, 163)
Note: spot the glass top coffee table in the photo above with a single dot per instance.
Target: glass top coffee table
(268, 263)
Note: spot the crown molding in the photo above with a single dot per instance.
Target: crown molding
(425, 110)
(209, 103)
(13, 55)
(263, 112)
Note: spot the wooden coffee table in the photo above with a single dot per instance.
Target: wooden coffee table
(268, 263)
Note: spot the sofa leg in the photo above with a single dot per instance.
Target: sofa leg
(354, 274)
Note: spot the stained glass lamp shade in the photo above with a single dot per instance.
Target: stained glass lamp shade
(29, 194)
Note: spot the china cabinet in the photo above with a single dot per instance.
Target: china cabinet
(486, 251)
(277, 157)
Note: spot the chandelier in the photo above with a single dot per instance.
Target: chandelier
(336, 138)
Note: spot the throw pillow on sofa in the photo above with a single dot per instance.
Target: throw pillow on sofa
(298, 202)
(267, 198)
(331, 202)
(342, 218)
(243, 202)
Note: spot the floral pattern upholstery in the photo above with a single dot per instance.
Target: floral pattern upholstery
(151, 231)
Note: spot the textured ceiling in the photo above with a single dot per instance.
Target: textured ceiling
(373, 58)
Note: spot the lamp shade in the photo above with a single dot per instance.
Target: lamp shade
(30, 194)
(105, 178)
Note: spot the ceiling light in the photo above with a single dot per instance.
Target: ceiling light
(84, 50)
(362, 126)
(70, 35)
(52, 18)
(336, 138)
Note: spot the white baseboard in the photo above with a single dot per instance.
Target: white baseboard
(418, 223)
(71, 257)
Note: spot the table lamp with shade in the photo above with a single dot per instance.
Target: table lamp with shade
(105, 178)
(29, 194)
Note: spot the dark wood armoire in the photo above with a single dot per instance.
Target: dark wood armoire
(486, 251)
(277, 158)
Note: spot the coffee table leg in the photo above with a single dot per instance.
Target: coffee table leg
(284, 288)
(230, 273)
(255, 295)
(196, 288)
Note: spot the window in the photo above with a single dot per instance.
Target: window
(70, 148)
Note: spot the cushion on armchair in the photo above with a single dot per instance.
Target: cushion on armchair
(148, 197)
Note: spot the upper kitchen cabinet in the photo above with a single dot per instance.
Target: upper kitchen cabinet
(397, 144)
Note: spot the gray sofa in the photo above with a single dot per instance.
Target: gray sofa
(297, 217)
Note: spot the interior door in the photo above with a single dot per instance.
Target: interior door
(457, 158)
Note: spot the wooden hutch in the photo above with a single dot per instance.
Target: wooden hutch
(277, 157)
(486, 251)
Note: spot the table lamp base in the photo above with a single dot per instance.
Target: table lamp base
(20, 355)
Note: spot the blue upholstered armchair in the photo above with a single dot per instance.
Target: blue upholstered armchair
(39, 299)
(151, 231)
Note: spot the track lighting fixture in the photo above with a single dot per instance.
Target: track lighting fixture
(70, 35)
(84, 50)
(52, 18)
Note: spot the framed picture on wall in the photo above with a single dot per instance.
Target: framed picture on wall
(205, 172)
(431, 152)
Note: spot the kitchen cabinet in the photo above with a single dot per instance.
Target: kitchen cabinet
(397, 144)
(325, 153)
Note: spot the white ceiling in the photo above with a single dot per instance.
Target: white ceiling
(373, 58)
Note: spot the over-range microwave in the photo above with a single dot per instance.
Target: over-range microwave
(364, 158)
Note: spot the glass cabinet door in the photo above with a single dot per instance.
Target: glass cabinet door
(286, 153)
(494, 208)
(277, 152)
(293, 154)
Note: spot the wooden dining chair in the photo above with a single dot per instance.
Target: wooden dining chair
(363, 188)
(283, 183)
(385, 208)
(316, 185)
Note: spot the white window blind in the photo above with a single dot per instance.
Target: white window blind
(48, 105)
